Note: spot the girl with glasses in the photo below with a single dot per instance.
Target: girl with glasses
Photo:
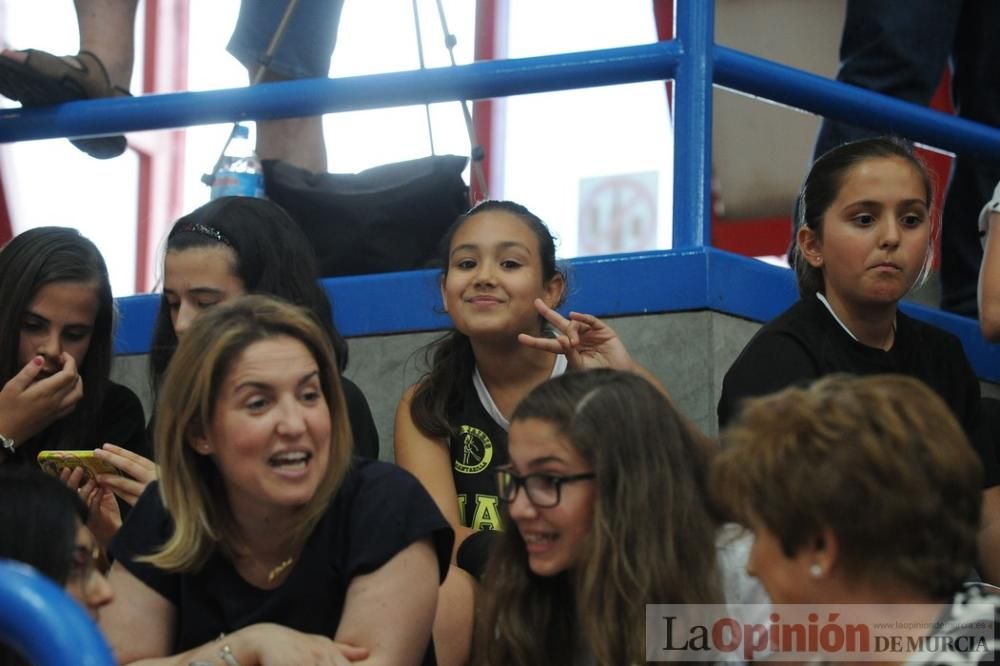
(605, 500)
(44, 525)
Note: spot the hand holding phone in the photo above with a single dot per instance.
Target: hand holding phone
(79, 470)
(54, 462)
(134, 472)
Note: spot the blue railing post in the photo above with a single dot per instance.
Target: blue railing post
(44, 624)
(695, 30)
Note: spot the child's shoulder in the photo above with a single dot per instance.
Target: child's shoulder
(803, 322)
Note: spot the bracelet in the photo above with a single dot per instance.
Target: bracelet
(228, 658)
(226, 654)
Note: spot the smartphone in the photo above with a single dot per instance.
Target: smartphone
(55, 462)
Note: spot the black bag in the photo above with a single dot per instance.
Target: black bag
(388, 218)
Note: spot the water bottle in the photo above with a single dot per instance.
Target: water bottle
(239, 173)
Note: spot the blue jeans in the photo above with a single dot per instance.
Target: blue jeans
(900, 48)
(307, 45)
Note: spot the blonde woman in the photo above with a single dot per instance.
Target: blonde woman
(261, 529)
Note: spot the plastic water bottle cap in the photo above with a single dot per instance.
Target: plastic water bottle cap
(241, 132)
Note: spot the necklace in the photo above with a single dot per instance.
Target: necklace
(278, 570)
(891, 338)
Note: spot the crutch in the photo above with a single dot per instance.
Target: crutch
(265, 62)
(476, 150)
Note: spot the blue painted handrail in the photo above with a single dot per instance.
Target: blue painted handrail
(39, 620)
(839, 101)
(693, 60)
(697, 278)
(304, 97)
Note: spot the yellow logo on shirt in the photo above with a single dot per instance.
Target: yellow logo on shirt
(476, 453)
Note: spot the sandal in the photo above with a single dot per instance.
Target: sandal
(45, 79)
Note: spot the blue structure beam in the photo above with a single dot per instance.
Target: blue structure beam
(308, 97)
(618, 285)
(695, 21)
(792, 87)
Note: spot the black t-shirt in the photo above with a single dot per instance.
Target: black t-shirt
(121, 421)
(379, 510)
(806, 342)
(366, 442)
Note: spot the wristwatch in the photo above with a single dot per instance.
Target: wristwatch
(7, 444)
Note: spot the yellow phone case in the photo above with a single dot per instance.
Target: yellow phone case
(54, 462)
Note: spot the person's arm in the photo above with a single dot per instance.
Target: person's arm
(989, 281)
(140, 624)
(989, 536)
(428, 460)
(390, 611)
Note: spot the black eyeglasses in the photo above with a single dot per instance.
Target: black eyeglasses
(543, 489)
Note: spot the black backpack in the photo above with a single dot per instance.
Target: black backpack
(387, 218)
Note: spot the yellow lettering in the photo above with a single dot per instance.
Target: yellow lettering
(487, 516)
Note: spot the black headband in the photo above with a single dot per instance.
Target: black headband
(204, 230)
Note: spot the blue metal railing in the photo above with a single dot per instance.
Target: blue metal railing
(809, 92)
(693, 60)
(41, 622)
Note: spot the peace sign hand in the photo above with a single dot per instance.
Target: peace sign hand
(588, 343)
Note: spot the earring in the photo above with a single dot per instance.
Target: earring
(816, 571)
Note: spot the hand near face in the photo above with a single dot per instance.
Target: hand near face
(141, 471)
(105, 517)
(586, 341)
(30, 402)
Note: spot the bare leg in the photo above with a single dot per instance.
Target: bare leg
(298, 141)
(453, 620)
(102, 68)
(107, 29)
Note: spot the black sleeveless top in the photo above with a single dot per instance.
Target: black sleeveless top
(477, 447)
